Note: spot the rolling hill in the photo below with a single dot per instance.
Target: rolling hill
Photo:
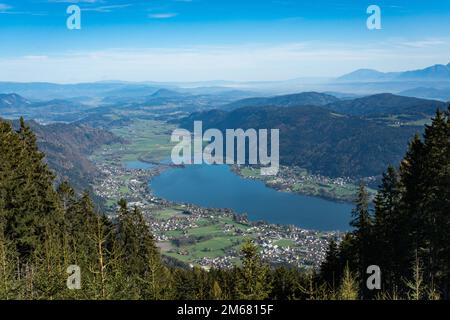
(298, 99)
(383, 104)
(387, 104)
(442, 94)
(67, 146)
(318, 139)
(12, 100)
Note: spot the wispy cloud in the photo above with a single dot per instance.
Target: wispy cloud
(7, 9)
(106, 8)
(76, 1)
(4, 7)
(162, 15)
(426, 43)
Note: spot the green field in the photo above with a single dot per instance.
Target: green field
(211, 248)
(209, 238)
(148, 140)
(167, 214)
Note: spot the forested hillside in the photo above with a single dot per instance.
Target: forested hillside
(290, 100)
(386, 104)
(66, 148)
(319, 140)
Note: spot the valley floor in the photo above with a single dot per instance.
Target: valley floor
(204, 236)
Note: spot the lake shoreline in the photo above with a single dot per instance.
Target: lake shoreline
(280, 189)
(240, 205)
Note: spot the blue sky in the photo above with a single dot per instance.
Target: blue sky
(192, 40)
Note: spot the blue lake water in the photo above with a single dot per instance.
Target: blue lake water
(218, 187)
(135, 165)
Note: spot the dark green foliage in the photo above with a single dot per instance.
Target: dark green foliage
(253, 283)
(408, 236)
(330, 268)
(28, 197)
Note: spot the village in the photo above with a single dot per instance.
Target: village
(298, 180)
(208, 237)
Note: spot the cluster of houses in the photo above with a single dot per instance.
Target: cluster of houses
(306, 249)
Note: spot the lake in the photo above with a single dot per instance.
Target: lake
(216, 186)
(135, 165)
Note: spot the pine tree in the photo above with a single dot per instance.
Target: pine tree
(216, 291)
(425, 177)
(387, 232)
(437, 198)
(8, 279)
(349, 287)
(101, 282)
(139, 249)
(330, 268)
(412, 174)
(363, 231)
(29, 195)
(254, 281)
(416, 285)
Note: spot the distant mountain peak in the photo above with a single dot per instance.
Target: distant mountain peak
(13, 100)
(363, 74)
(166, 93)
(434, 72)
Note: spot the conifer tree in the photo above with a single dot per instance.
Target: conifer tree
(363, 228)
(349, 287)
(330, 268)
(387, 231)
(254, 281)
(216, 291)
(8, 279)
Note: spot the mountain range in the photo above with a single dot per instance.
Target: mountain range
(384, 104)
(435, 72)
(362, 81)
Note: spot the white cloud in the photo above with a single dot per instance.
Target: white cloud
(423, 43)
(7, 9)
(106, 8)
(162, 15)
(231, 62)
(75, 1)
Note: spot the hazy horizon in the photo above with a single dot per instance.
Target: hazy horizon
(198, 40)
